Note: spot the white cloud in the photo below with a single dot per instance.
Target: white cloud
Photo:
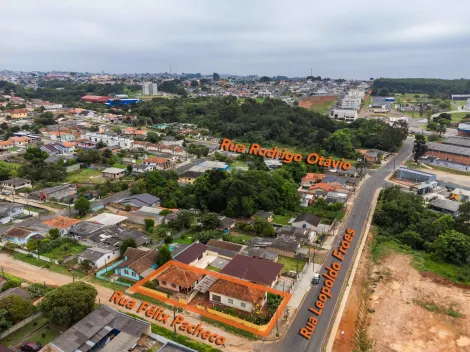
(339, 38)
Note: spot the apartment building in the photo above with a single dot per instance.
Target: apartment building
(149, 88)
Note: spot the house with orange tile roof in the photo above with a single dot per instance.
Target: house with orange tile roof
(158, 163)
(21, 141)
(237, 296)
(311, 178)
(63, 223)
(178, 280)
(6, 144)
(18, 113)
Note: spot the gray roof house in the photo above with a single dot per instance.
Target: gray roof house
(140, 200)
(15, 291)
(446, 206)
(104, 329)
(261, 254)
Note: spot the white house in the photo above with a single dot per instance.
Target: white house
(9, 210)
(99, 257)
(236, 296)
(111, 139)
(348, 115)
(15, 183)
(307, 221)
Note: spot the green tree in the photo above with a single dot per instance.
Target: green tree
(54, 234)
(69, 303)
(206, 236)
(18, 308)
(215, 77)
(453, 247)
(210, 221)
(164, 255)
(149, 224)
(82, 205)
(4, 322)
(419, 149)
(127, 243)
(441, 129)
(10, 284)
(463, 219)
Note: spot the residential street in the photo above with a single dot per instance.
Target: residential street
(356, 220)
(35, 274)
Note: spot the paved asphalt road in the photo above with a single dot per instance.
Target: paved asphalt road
(356, 220)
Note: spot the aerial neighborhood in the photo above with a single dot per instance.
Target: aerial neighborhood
(124, 196)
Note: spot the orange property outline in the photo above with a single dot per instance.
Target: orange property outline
(138, 288)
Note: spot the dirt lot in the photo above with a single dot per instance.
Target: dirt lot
(405, 311)
(310, 102)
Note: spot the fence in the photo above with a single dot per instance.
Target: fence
(22, 251)
(99, 274)
(19, 325)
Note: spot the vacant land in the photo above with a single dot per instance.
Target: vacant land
(320, 104)
(394, 307)
(291, 264)
(32, 331)
(85, 176)
(65, 250)
(281, 219)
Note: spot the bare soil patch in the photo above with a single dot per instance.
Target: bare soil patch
(404, 310)
(309, 102)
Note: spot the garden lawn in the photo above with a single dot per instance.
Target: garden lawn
(22, 333)
(83, 176)
(281, 219)
(213, 268)
(239, 238)
(291, 263)
(186, 240)
(65, 250)
(49, 335)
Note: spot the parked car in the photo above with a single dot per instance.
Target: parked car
(30, 347)
(316, 279)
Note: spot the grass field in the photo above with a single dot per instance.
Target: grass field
(64, 250)
(281, 219)
(258, 100)
(120, 165)
(459, 103)
(52, 267)
(320, 104)
(457, 116)
(83, 176)
(412, 165)
(421, 261)
(239, 238)
(291, 263)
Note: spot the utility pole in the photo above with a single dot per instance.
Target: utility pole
(174, 317)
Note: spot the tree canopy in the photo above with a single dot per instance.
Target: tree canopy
(69, 303)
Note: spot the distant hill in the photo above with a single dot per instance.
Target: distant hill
(442, 88)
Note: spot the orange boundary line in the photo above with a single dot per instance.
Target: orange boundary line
(149, 292)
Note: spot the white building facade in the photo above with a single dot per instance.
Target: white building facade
(110, 140)
(348, 115)
(149, 88)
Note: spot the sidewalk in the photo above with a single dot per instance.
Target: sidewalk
(303, 286)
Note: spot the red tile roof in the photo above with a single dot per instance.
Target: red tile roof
(241, 292)
(180, 277)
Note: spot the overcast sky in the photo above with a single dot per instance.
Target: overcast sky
(336, 38)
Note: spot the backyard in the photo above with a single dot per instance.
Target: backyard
(239, 238)
(291, 264)
(32, 331)
(65, 250)
(281, 219)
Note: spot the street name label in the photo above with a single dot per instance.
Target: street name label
(330, 276)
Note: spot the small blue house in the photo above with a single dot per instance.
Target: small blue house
(137, 264)
(20, 235)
